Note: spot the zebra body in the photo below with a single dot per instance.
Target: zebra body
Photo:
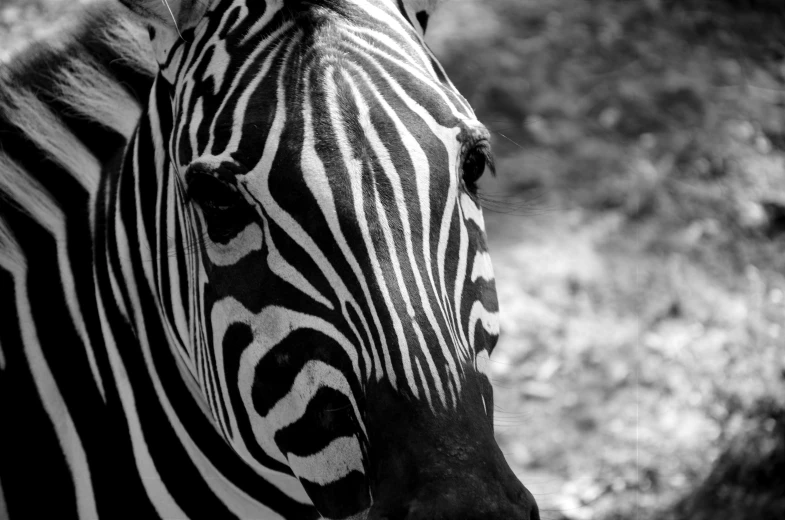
(242, 270)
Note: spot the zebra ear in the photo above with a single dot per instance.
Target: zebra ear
(419, 12)
(167, 19)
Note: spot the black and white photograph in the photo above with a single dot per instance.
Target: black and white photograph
(392, 259)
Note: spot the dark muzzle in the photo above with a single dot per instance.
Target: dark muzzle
(440, 466)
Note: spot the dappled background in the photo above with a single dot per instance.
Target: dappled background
(638, 245)
(637, 228)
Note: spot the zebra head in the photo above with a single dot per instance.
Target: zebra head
(319, 172)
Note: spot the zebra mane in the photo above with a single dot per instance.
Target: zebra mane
(70, 103)
(105, 59)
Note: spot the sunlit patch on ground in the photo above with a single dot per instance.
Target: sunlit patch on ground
(620, 374)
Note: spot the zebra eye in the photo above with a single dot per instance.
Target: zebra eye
(212, 194)
(474, 165)
(225, 211)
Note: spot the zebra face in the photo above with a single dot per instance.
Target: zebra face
(325, 172)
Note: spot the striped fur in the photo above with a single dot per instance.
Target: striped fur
(260, 290)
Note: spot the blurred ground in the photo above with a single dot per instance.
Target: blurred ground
(639, 249)
(23, 21)
(637, 229)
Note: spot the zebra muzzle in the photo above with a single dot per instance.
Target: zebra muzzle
(442, 465)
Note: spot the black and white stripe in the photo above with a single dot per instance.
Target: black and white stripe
(214, 295)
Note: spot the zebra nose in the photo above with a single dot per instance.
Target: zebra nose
(471, 498)
(452, 507)
(440, 466)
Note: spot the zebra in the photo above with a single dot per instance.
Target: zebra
(243, 270)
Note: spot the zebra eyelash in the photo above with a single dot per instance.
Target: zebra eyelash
(485, 149)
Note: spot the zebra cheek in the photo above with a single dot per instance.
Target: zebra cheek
(323, 445)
